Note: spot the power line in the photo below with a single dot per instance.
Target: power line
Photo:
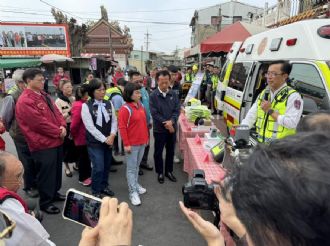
(112, 12)
(60, 9)
(151, 22)
(22, 12)
(82, 18)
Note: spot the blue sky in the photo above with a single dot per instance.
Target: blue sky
(163, 37)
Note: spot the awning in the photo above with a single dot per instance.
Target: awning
(223, 40)
(17, 63)
(193, 51)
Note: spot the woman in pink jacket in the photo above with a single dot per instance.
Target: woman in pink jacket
(78, 132)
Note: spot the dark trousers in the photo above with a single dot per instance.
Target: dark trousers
(84, 163)
(30, 169)
(49, 179)
(162, 140)
(146, 152)
(100, 157)
(69, 148)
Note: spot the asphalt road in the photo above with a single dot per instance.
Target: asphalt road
(158, 221)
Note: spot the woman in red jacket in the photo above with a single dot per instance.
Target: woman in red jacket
(132, 123)
(78, 133)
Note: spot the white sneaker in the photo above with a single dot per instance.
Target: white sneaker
(141, 190)
(176, 160)
(135, 199)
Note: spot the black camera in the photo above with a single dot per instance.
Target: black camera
(198, 194)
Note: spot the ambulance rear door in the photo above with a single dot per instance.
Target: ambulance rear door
(254, 85)
(239, 77)
(225, 73)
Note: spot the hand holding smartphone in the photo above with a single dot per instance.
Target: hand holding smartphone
(82, 208)
(113, 222)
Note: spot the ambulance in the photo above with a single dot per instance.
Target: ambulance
(305, 44)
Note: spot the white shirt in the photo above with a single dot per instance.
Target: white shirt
(153, 83)
(89, 123)
(163, 93)
(28, 230)
(292, 114)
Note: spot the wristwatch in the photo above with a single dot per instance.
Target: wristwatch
(270, 111)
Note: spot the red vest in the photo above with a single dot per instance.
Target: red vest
(5, 194)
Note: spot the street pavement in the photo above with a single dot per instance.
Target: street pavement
(158, 221)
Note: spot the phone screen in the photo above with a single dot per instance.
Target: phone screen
(82, 209)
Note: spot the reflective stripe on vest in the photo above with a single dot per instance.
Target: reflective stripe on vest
(111, 92)
(12, 90)
(267, 128)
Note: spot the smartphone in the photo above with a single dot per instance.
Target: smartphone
(81, 208)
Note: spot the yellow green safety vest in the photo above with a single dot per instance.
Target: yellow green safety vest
(188, 78)
(215, 80)
(109, 93)
(267, 128)
(12, 90)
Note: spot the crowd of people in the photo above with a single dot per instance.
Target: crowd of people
(89, 125)
(83, 129)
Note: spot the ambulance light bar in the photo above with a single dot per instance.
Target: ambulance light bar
(275, 44)
(324, 32)
(242, 50)
(291, 42)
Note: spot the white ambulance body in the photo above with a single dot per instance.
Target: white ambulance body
(305, 44)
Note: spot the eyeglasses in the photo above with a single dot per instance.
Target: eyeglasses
(138, 81)
(273, 74)
(7, 225)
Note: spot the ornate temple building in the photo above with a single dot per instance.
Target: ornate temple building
(107, 39)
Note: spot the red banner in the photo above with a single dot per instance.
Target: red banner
(29, 39)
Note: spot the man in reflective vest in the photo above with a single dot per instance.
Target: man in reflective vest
(115, 95)
(278, 108)
(215, 81)
(188, 76)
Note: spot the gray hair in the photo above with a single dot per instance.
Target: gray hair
(3, 161)
(18, 75)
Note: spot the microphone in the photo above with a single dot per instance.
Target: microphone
(33, 208)
(266, 95)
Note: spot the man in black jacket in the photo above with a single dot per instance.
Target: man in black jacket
(165, 110)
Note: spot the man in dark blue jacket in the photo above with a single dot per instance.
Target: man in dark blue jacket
(165, 110)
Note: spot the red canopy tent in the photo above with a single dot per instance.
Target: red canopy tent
(223, 40)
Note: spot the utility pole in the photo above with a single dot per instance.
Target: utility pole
(141, 59)
(147, 42)
(219, 21)
(110, 41)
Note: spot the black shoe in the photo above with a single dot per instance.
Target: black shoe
(116, 163)
(59, 198)
(108, 192)
(170, 176)
(161, 178)
(140, 172)
(51, 209)
(146, 167)
(122, 153)
(33, 193)
(113, 170)
(116, 152)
